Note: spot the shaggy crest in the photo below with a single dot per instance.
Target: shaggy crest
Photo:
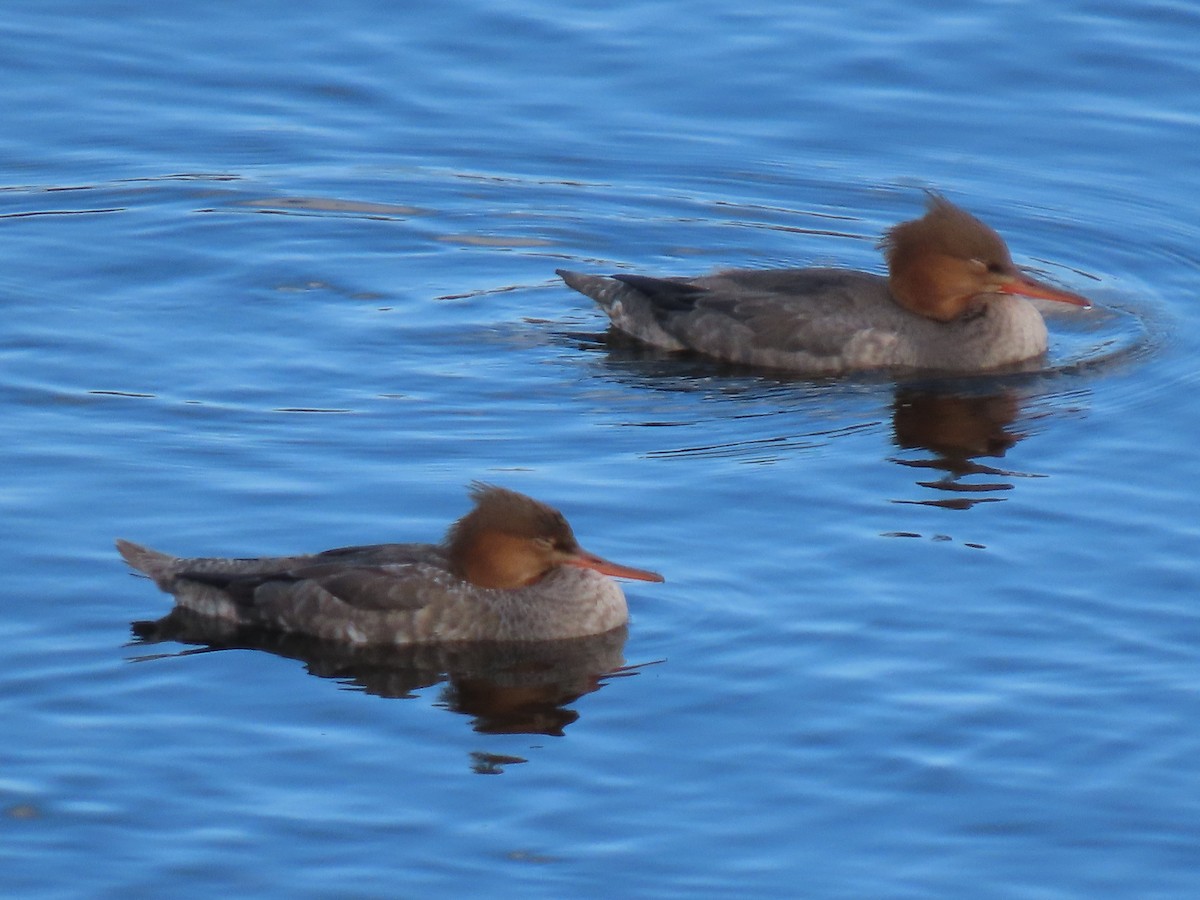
(948, 230)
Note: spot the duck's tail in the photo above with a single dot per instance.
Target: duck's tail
(637, 305)
(155, 564)
(598, 287)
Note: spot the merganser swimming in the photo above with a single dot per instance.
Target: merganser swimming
(508, 570)
(949, 302)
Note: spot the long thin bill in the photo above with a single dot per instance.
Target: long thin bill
(585, 560)
(1028, 287)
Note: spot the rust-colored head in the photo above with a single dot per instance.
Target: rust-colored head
(938, 264)
(510, 540)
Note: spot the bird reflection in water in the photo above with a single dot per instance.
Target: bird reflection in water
(958, 428)
(507, 687)
(764, 419)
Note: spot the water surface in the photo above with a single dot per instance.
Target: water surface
(279, 278)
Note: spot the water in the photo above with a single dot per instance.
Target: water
(280, 278)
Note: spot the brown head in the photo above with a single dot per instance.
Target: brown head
(509, 540)
(938, 264)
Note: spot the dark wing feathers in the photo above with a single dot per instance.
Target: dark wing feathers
(667, 294)
(372, 588)
(777, 309)
(363, 587)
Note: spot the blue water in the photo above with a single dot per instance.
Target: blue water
(279, 277)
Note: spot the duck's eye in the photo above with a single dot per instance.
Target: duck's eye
(989, 266)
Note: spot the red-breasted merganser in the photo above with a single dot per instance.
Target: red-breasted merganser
(508, 570)
(949, 302)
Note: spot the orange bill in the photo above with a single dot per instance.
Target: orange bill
(1030, 287)
(585, 560)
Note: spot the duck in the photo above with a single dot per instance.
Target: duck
(952, 301)
(510, 569)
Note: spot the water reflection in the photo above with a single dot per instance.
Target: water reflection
(764, 417)
(958, 429)
(505, 687)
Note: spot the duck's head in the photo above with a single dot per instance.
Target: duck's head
(510, 540)
(938, 264)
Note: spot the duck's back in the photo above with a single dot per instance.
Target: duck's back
(166, 569)
(327, 594)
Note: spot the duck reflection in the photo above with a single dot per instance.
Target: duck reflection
(957, 428)
(959, 421)
(512, 687)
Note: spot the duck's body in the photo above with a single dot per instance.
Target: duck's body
(508, 570)
(950, 302)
